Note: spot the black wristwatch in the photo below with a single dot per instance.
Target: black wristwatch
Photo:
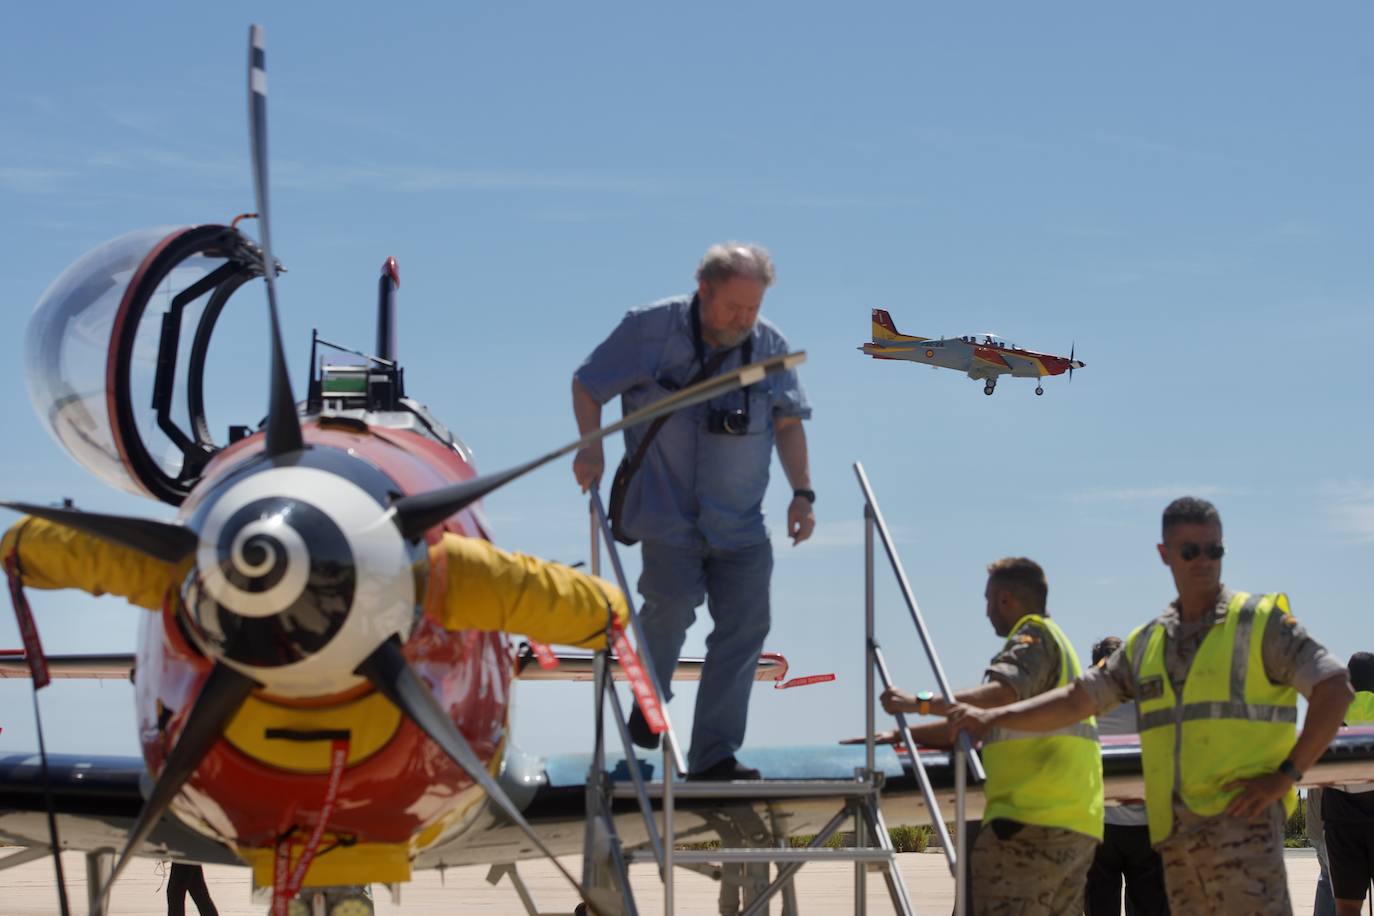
(1287, 769)
(808, 495)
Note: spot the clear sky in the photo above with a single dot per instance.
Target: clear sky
(1184, 194)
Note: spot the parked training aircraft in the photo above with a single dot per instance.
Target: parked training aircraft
(982, 356)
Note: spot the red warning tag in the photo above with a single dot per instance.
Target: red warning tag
(803, 681)
(286, 881)
(645, 694)
(28, 630)
(544, 656)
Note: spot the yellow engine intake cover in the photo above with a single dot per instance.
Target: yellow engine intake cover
(371, 721)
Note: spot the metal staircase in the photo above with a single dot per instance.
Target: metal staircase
(606, 860)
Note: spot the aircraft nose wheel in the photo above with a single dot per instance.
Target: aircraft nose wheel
(1039, 390)
(989, 389)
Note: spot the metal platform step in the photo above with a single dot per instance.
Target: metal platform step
(759, 789)
(763, 854)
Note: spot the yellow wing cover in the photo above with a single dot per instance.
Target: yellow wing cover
(492, 589)
(51, 555)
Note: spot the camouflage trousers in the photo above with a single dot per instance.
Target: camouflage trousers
(1227, 865)
(1038, 871)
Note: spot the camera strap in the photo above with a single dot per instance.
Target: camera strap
(629, 465)
(707, 370)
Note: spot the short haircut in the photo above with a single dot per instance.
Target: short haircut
(1023, 578)
(736, 259)
(1362, 671)
(1105, 647)
(1190, 510)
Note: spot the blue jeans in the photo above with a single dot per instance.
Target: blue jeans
(734, 584)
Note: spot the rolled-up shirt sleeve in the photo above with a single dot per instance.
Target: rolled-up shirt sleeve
(617, 364)
(789, 398)
(1028, 665)
(1110, 684)
(1291, 656)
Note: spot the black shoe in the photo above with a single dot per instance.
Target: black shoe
(727, 770)
(640, 733)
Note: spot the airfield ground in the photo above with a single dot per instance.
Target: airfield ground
(823, 890)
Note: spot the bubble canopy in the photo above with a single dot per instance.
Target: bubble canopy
(104, 357)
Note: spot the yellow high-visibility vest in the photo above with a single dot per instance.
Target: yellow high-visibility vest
(1052, 779)
(1230, 723)
(1361, 711)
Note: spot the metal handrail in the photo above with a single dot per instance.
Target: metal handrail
(964, 753)
(645, 659)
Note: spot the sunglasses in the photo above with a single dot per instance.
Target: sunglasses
(1190, 551)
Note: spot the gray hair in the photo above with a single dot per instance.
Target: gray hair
(736, 259)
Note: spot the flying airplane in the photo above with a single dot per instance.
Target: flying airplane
(982, 356)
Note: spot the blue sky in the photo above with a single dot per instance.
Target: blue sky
(1183, 194)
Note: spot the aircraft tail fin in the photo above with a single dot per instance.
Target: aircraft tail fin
(884, 329)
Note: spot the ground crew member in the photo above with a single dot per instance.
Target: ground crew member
(1348, 815)
(1043, 814)
(1216, 677)
(1125, 856)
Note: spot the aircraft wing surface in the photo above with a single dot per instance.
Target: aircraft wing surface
(97, 798)
(556, 808)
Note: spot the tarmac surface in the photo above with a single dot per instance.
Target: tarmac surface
(823, 889)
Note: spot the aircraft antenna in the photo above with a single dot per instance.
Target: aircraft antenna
(283, 427)
(387, 288)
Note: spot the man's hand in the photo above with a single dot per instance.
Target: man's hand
(971, 720)
(1258, 793)
(895, 701)
(801, 519)
(588, 465)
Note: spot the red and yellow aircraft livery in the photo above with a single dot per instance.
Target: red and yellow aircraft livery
(981, 356)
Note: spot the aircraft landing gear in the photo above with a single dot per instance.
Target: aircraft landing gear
(1039, 390)
(989, 388)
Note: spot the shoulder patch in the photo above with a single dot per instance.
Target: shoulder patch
(1026, 639)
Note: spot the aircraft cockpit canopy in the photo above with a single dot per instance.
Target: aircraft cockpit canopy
(103, 352)
(989, 340)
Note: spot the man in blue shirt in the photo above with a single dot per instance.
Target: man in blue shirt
(696, 500)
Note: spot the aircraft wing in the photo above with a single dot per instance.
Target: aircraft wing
(1024, 365)
(556, 806)
(572, 666)
(96, 800)
(118, 666)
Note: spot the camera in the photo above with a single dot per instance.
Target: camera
(727, 422)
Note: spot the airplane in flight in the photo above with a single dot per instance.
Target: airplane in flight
(981, 356)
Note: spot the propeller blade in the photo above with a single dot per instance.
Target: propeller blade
(393, 677)
(283, 427)
(1072, 347)
(417, 513)
(164, 541)
(224, 692)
